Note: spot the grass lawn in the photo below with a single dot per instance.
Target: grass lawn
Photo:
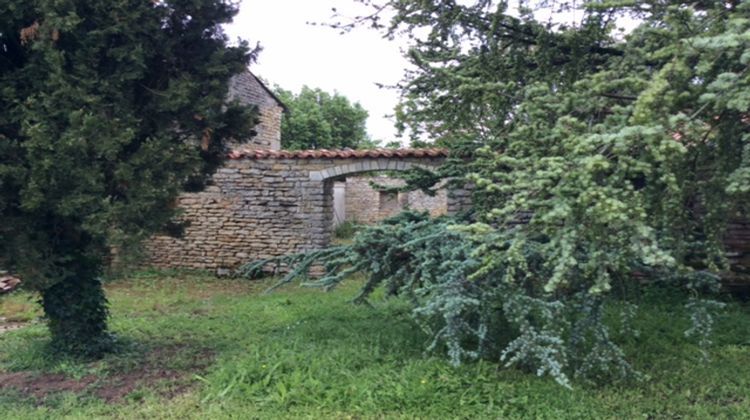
(199, 347)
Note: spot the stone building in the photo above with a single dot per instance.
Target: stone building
(355, 199)
(266, 203)
(248, 89)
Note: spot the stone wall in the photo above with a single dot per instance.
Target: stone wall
(255, 209)
(247, 89)
(365, 204)
(737, 240)
(261, 208)
(459, 199)
(362, 201)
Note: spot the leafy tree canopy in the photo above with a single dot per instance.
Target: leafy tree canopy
(319, 120)
(600, 159)
(606, 140)
(108, 108)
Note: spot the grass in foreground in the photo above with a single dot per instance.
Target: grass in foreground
(198, 347)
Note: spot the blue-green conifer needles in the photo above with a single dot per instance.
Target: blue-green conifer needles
(601, 160)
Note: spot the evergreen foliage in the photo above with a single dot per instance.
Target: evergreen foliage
(601, 160)
(471, 308)
(107, 110)
(320, 120)
(627, 153)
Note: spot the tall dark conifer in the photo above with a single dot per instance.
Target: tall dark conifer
(108, 109)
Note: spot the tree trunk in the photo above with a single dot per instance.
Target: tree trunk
(76, 311)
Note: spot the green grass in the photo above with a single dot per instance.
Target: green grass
(301, 353)
(20, 308)
(345, 232)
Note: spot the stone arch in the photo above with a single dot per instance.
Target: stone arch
(370, 165)
(264, 204)
(322, 178)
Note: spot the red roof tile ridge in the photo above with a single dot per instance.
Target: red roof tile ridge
(336, 153)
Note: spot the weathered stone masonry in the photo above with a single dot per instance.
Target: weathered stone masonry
(269, 204)
(276, 203)
(247, 89)
(365, 204)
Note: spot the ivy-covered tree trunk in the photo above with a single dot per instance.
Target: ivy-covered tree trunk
(76, 310)
(75, 305)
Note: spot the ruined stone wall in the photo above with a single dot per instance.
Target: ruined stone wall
(362, 202)
(365, 204)
(260, 208)
(246, 89)
(459, 199)
(436, 205)
(737, 240)
(255, 209)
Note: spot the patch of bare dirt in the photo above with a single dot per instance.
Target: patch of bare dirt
(150, 373)
(42, 385)
(6, 325)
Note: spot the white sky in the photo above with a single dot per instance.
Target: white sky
(296, 54)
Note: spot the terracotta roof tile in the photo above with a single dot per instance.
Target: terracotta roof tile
(336, 154)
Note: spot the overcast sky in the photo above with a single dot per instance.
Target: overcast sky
(296, 54)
